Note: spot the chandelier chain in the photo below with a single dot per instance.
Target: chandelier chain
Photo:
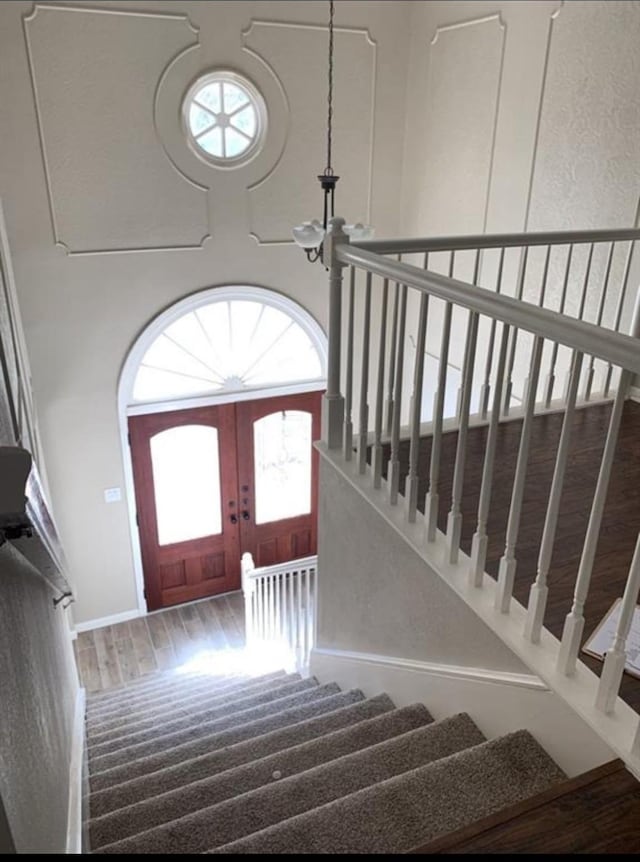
(329, 170)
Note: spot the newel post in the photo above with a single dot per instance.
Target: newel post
(333, 401)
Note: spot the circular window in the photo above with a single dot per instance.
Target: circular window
(225, 118)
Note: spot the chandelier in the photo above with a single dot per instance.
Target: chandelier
(310, 234)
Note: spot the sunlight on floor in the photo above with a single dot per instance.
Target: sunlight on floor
(260, 658)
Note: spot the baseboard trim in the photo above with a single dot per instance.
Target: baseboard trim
(74, 816)
(99, 623)
(477, 674)
(634, 393)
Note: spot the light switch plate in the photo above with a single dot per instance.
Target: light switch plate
(112, 495)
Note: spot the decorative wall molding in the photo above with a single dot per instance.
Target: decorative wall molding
(254, 231)
(58, 166)
(477, 674)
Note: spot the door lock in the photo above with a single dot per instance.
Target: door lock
(245, 515)
(233, 518)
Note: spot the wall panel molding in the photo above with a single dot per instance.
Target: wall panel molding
(94, 74)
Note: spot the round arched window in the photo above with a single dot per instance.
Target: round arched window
(225, 118)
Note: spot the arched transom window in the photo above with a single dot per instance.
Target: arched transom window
(230, 345)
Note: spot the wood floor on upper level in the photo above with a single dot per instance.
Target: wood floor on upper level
(620, 525)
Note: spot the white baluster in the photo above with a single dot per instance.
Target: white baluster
(614, 663)
(248, 588)
(377, 452)
(486, 386)
(348, 386)
(459, 397)
(393, 471)
(480, 537)
(551, 376)
(411, 487)
(292, 615)
(299, 633)
(307, 616)
(432, 500)
(507, 569)
(574, 622)
(392, 356)
(278, 620)
(539, 589)
(619, 307)
(363, 430)
(522, 271)
(603, 296)
(454, 520)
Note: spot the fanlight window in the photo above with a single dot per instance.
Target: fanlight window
(227, 346)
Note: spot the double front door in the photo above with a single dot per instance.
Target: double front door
(214, 482)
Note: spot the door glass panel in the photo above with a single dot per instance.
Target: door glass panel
(282, 458)
(186, 482)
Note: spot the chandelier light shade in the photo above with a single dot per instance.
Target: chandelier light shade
(310, 234)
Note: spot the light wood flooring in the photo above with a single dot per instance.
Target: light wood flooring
(117, 654)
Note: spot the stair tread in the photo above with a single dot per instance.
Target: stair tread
(152, 710)
(224, 705)
(249, 812)
(257, 773)
(288, 715)
(303, 724)
(407, 810)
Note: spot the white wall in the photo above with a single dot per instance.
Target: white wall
(523, 116)
(111, 218)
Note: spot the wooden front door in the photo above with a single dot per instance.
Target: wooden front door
(214, 482)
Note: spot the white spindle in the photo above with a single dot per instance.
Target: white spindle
(393, 472)
(292, 614)
(522, 271)
(551, 376)
(392, 356)
(480, 537)
(377, 451)
(454, 520)
(411, 487)
(619, 308)
(616, 655)
(545, 276)
(307, 615)
(507, 569)
(539, 589)
(585, 283)
(432, 500)
(299, 632)
(348, 385)
(603, 296)
(485, 389)
(474, 281)
(248, 589)
(363, 430)
(574, 622)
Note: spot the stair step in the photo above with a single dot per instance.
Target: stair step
(148, 710)
(290, 695)
(307, 723)
(163, 694)
(255, 774)
(159, 679)
(400, 813)
(204, 711)
(302, 708)
(216, 825)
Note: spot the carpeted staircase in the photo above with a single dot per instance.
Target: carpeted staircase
(281, 764)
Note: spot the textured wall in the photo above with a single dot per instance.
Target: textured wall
(97, 169)
(38, 685)
(377, 595)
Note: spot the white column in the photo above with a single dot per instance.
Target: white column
(376, 455)
(333, 402)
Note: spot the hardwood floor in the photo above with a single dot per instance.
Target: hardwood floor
(620, 524)
(115, 655)
(598, 812)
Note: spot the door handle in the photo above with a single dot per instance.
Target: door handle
(233, 518)
(245, 515)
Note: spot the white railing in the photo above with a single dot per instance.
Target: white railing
(488, 306)
(279, 604)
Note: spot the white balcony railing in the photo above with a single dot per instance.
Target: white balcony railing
(279, 606)
(537, 322)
